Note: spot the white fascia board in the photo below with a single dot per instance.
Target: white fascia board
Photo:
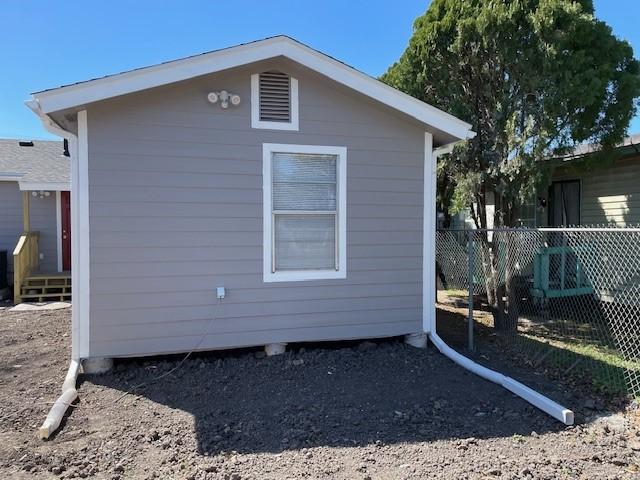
(10, 177)
(377, 90)
(155, 76)
(178, 70)
(50, 186)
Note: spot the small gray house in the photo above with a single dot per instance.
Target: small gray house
(35, 229)
(255, 195)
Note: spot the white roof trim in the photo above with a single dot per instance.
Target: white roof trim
(10, 176)
(51, 186)
(178, 70)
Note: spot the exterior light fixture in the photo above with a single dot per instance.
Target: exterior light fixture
(225, 98)
(41, 193)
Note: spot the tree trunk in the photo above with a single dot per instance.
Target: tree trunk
(485, 244)
(506, 252)
(497, 253)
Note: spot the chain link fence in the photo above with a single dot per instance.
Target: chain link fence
(566, 301)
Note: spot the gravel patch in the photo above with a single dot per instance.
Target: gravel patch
(370, 410)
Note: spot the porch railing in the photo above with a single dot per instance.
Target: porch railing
(25, 261)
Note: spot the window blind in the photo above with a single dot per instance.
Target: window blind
(304, 211)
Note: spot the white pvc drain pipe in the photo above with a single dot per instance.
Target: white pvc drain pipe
(60, 406)
(536, 399)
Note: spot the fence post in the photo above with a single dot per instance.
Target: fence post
(470, 286)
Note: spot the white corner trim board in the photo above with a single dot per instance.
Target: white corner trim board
(144, 78)
(255, 107)
(428, 236)
(268, 149)
(80, 238)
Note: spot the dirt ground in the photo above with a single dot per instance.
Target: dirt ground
(379, 410)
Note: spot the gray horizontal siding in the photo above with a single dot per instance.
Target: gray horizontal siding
(10, 220)
(167, 283)
(151, 342)
(176, 210)
(42, 217)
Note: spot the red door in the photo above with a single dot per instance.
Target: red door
(65, 205)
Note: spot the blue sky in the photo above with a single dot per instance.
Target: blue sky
(50, 43)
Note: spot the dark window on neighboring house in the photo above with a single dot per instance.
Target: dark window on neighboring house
(564, 203)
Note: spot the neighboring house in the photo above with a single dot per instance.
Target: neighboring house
(300, 186)
(590, 190)
(585, 188)
(34, 194)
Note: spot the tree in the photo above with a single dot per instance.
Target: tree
(534, 78)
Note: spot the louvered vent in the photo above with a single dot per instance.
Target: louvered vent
(275, 97)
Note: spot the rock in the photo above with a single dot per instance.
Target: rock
(619, 462)
(494, 472)
(634, 445)
(589, 403)
(298, 361)
(366, 346)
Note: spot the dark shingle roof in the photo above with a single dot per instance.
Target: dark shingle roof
(43, 162)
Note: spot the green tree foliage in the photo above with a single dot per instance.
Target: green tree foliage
(533, 77)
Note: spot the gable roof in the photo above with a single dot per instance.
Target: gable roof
(103, 88)
(39, 167)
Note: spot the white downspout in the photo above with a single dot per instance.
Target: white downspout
(536, 399)
(69, 392)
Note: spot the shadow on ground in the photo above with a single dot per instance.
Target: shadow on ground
(337, 395)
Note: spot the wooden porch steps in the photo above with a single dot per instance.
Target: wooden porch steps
(47, 287)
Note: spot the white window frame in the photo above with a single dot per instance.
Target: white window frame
(268, 149)
(255, 107)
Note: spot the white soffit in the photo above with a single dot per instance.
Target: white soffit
(165, 73)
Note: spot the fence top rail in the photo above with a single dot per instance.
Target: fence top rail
(544, 229)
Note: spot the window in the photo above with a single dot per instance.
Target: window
(274, 101)
(304, 197)
(564, 203)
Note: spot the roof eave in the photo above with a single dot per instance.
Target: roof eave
(45, 186)
(141, 79)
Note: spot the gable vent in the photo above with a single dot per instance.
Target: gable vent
(275, 97)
